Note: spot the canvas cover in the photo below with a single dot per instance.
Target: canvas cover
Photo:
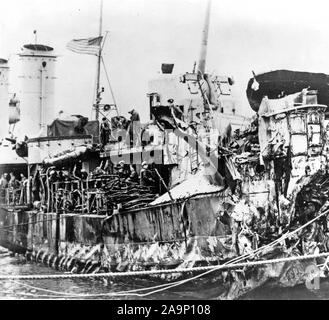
(65, 128)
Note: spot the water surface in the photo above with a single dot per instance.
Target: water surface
(102, 289)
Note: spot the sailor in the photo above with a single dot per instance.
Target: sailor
(63, 116)
(83, 174)
(79, 173)
(98, 171)
(175, 110)
(3, 186)
(122, 171)
(36, 186)
(53, 176)
(12, 181)
(146, 176)
(66, 174)
(60, 175)
(134, 115)
(79, 127)
(194, 126)
(205, 118)
(108, 167)
(22, 181)
(23, 178)
(23, 187)
(105, 131)
(133, 177)
(134, 129)
(307, 170)
(4, 181)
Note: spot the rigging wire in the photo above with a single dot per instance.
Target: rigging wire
(109, 83)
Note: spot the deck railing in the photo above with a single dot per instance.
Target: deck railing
(14, 196)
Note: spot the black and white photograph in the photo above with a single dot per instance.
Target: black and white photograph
(172, 150)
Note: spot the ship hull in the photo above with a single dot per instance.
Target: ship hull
(151, 238)
(163, 235)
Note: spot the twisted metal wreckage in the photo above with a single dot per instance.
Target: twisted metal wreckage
(264, 197)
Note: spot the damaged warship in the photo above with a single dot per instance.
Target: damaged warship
(239, 202)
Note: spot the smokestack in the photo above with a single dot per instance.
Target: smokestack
(4, 118)
(36, 89)
(204, 43)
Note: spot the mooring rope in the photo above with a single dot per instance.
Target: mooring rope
(131, 292)
(28, 223)
(158, 288)
(167, 271)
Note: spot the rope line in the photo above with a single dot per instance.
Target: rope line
(67, 294)
(27, 223)
(153, 272)
(13, 295)
(162, 287)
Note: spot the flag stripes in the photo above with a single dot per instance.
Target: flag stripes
(85, 46)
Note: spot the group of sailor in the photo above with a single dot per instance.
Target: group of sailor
(133, 130)
(129, 173)
(11, 187)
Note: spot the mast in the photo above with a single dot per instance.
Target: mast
(204, 42)
(99, 60)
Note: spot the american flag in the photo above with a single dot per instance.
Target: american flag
(85, 46)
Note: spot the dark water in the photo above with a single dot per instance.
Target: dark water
(101, 289)
(83, 288)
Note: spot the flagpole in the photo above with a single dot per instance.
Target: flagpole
(99, 60)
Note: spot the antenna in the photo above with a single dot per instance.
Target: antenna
(194, 66)
(204, 42)
(35, 36)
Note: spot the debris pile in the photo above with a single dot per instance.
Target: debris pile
(127, 195)
(106, 194)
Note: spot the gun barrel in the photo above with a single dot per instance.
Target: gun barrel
(204, 42)
(13, 141)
